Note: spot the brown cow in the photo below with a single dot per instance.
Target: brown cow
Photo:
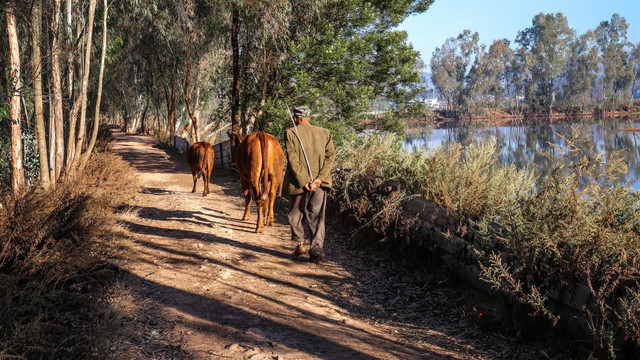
(260, 161)
(200, 157)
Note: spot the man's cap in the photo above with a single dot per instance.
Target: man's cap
(301, 111)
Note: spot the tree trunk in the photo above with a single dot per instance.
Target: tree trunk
(82, 126)
(73, 121)
(52, 141)
(168, 105)
(70, 57)
(171, 107)
(56, 80)
(196, 106)
(17, 170)
(143, 117)
(36, 61)
(26, 113)
(248, 128)
(235, 93)
(74, 97)
(194, 120)
(96, 116)
(211, 134)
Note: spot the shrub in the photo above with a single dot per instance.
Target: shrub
(53, 250)
(579, 228)
(548, 236)
(30, 160)
(469, 182)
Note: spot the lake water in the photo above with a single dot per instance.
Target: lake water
(519, 143)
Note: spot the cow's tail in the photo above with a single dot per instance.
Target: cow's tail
(202, 161)
(265, 169)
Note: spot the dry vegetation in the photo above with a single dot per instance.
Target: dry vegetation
(54, 263)
(539, 240)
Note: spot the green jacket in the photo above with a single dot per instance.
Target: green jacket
(318, 146)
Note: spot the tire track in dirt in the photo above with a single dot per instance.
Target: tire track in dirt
(210, 288)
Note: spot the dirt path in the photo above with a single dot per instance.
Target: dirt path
(208, 287)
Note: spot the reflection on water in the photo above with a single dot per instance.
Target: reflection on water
(519, 143)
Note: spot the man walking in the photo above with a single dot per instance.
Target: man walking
(309, 149)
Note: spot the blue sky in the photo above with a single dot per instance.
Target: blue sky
(498, 19)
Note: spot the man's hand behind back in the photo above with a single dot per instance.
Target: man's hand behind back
(312, 186)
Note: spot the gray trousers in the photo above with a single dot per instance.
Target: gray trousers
(308, 208)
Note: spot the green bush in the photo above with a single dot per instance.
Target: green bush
(30, 160)
(548, 236)
(579, 228)
(469, 181)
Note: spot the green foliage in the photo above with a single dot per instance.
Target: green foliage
(551, 69)
(276, 120)
(450, 66)
(469, 181)
(5, 155)
(611, 37)
(337, 67)
(392, 122)
(582, 72)
(579, 228)
(546, 40)
(540, 240)
(335, 56)
(30, 156)
(486, 80)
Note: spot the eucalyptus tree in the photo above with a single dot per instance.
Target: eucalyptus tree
(487, 79)
(82, 125)
(246, 59)
(76, 52)
(634, 62)
(96, 116)
(582, 72)
(611, 37)
(341, 54)
(56, 132)
(498, 58)
(475, 93)
(146, 59)
(546, 41)
(169, 55)
(52, 67)
(17, 169)
(36, 65)
(519, 79)
(450, 65)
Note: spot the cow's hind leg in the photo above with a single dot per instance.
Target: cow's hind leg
(274, 186)
(205, 178)
(195, 180)
(246, 187)
(273, 189)
(262, 204)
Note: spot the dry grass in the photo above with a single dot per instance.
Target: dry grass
(54, 264)
(539, 241)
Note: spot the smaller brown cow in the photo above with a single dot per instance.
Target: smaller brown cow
(200, 158)
(260, 161)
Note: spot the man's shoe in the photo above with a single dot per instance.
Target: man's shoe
(316, 255)
(301, 248)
